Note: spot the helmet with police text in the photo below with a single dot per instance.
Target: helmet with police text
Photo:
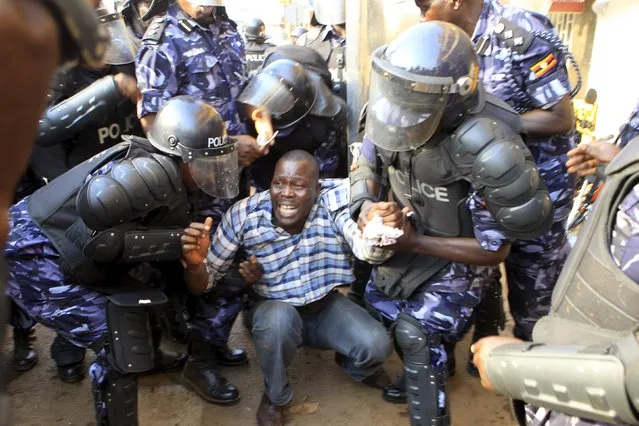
(330, 12)
(425, 79)
(122, 46)
(81, 39)
(190, 128)
(284, 88)
(255, 30)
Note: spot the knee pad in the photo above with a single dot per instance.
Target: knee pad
(423, 383)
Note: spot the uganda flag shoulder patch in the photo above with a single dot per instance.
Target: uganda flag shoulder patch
(544, 66)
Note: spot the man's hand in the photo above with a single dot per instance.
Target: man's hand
(251, 270)
(249, 150)
(127, 86)
(390, 213)
(406, 240)
(196, 243)
(482, 349)
(584, 159)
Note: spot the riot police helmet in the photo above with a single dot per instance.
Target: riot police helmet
(81, 39)
(191, 129)
(137, 12)
(330, 12)
(424, 80)
(122, 46)
(285, 89)
(255, 30)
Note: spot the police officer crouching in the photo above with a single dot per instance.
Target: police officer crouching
(256, 44)
(464, 183)
(103, 229)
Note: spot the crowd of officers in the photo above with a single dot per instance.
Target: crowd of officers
(184, 172)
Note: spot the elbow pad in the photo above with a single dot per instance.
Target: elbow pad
(87, 107)
(598, 383)
(503, 170)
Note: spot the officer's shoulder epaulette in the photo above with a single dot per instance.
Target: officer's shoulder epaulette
(512, 35)
(154, 33)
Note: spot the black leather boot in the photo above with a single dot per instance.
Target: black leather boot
(25, 356)
(200, 373)
(230, 357)
(395, 393)
(69, 359)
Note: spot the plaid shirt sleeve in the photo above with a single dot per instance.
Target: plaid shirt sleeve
(226, 241)
(337, 201)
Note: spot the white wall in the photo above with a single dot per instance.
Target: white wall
(614, 70)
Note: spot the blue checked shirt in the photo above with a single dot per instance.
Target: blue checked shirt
(301, 268)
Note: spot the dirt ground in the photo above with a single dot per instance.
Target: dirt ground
(324, 395)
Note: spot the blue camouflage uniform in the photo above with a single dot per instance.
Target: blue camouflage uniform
(189, 59)
(530, 73)
(624, 248)
(209, 63)
(444, 305)
(630, 129)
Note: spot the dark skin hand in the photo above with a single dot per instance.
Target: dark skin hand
(29, 53)
(556, 120)
(584, 159)
(127, 86)
(251, 270)
(195, 246)
(458, 250)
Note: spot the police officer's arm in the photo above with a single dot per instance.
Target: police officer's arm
(156, 72)
(556, 120)
(64, 120)
(593, 382)
(544, 78)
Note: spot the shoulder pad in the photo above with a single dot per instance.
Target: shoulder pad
(130, 189)
(153, 34)
(505, 173)
(512, 35)
(495, 107)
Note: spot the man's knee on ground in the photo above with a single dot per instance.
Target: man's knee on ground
(276, 319)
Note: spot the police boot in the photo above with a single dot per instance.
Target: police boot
(395, 393)
(25, 356)
(230, 357)
(451, 362)
(489, 318)
(116, 399)
(423, 383)
(200, 374)
(69, 359)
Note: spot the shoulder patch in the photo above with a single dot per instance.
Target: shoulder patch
(512, 35)
(544, 66)
(154, 33)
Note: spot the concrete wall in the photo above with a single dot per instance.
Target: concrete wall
(615, 64)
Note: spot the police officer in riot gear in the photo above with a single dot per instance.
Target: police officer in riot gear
(463, 181)
(104, 230)
(329, 39)
(139, 13)
(291, 105)
(58, 32)
(586, 346)
(73, 131)
(256, 44)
